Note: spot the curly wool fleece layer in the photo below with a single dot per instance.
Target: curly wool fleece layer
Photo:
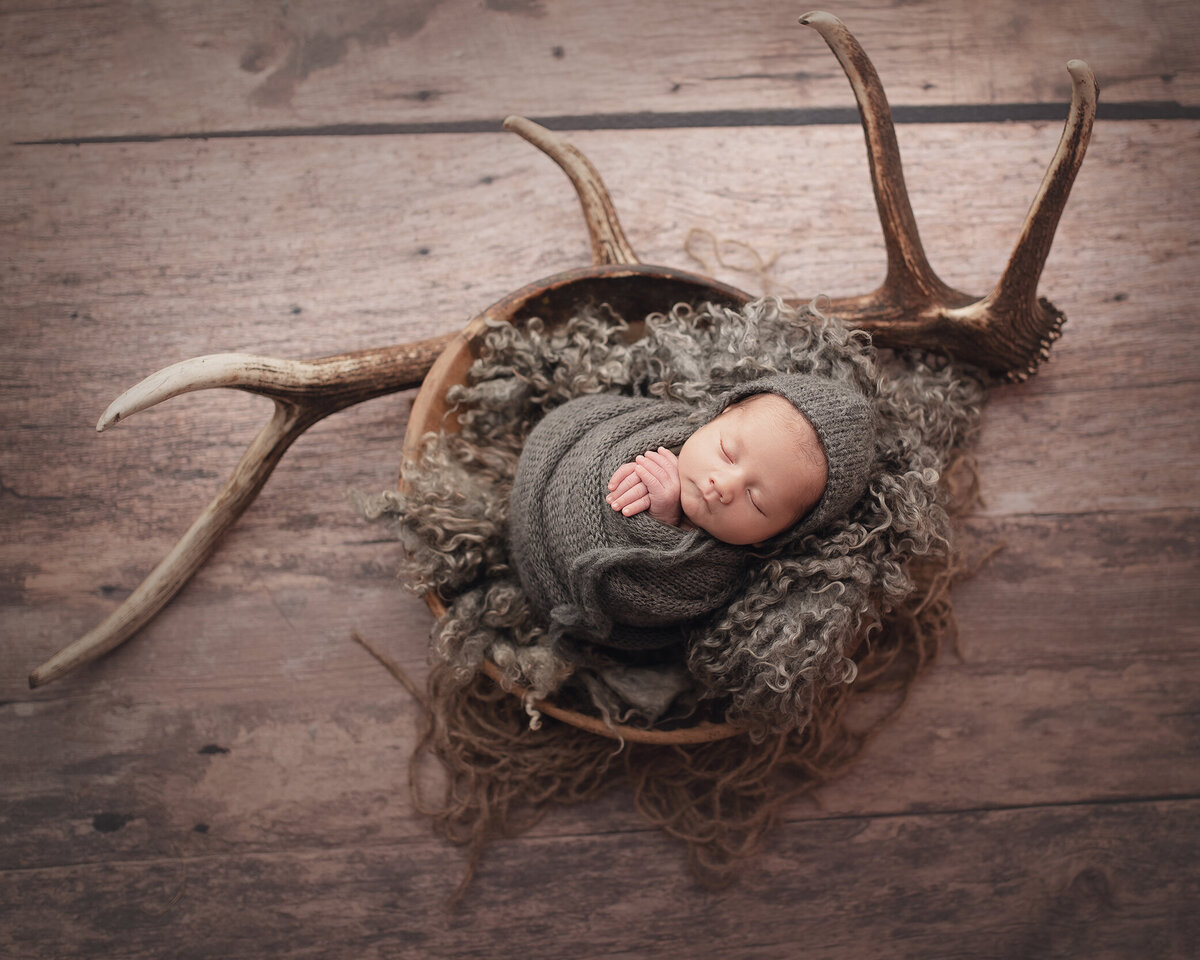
(788, 635)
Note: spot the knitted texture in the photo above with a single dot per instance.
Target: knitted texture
(595, 573)
(777, 647)
(845, 425)
(622, 581)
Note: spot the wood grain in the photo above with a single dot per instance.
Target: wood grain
(1110, 880)
(232, 782)
(313, 736)
(346, 243)
(178, 66)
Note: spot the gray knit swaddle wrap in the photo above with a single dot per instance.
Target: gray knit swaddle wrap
(598, 575)
(631, 582)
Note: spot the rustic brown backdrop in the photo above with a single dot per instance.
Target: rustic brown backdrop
(181, 177)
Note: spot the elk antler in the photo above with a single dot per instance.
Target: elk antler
(1006, 332)
(304, 392)
(608, 239)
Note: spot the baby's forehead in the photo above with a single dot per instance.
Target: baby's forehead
(762, 411)
(763, 406)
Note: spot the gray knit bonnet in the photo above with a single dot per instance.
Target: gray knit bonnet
(844, 420)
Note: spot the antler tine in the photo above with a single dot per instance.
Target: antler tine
(1006, 332)
(189, 554)
(304, 392)
(1016, 293)
(609, 244)
(909, 275)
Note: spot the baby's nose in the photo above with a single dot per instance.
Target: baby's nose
(724, 485)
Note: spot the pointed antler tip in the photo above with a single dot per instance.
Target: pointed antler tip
(530, 131)
(1082, 75)
(818, 18)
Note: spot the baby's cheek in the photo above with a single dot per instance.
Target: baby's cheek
(689, 506)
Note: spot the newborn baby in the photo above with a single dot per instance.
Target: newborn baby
(743, 477)
(627, 548)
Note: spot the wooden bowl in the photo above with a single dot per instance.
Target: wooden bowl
(632, 290)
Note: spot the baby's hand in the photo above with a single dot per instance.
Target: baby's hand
(651, 481)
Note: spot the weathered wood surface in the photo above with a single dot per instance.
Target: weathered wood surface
(1096, 881)
(180, 66)
(275, 247)
(232, 782)
(1101, 715)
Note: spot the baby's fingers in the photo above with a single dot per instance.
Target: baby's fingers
(637, 506)
(624, 486)
(629, 501)
(656, 469)
(650, 475)
(665, 461)
(623, 472)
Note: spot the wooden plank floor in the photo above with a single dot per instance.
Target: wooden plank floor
(232, 782)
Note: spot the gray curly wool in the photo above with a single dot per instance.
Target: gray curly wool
(765, 657)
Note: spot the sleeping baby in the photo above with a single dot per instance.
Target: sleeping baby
(746, 475)
(620, 540)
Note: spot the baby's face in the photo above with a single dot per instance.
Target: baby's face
(751, 472)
